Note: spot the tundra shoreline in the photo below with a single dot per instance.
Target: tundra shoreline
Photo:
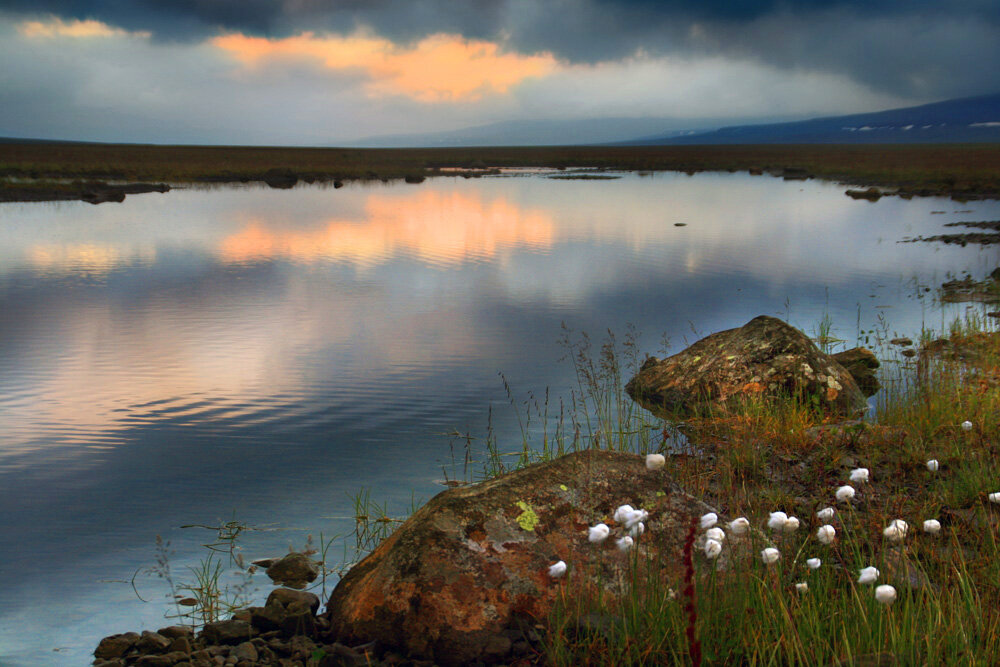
(54, 172)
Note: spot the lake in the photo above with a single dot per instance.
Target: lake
(261, 355)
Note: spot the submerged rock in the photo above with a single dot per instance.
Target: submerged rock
(764, 358)
(457, 581)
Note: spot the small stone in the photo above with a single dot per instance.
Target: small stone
(116, 646)
(175, 631)
(266, 656)
(180, 645)
(245, 651)
(345, 655)
(226, 632)
(152, 642)
(286, 596)
(298, 620)
(301, 647)
(294, 570)
(267, 618)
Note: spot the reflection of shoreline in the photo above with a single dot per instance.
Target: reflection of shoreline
(437, 227)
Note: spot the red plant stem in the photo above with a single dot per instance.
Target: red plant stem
(694, 646)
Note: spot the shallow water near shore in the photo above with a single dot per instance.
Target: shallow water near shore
(200, 355)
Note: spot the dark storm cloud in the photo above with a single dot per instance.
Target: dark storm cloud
(593, 24)
(923, 49)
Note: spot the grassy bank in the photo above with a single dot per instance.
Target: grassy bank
(962, 171)
(773, 457)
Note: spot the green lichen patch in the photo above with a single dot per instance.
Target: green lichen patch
(527, 519)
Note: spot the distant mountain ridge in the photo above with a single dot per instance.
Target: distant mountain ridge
(970, 119)
(545, 132)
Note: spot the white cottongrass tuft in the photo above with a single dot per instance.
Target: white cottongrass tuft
(814, 563)
(868, 575)
(634, 517)
(557, 570)
(598, 533)
(826, 534)
(966, 425)
(708, 520)
(791, 525)
(777, 521)
(896, 530)
(716, 534)
(624, 543)
(885, 594)
(932, 465)
(860, 475)
(826, 514)
(712, 549)
(637, 530)
(770, 555)
(739, 526)
(995, 497)
(932, 526)
(802, 587)
(622, 512)
(655, 461)
(845, 493)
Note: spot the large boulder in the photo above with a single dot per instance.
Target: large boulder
(764, 358)
(472, 564)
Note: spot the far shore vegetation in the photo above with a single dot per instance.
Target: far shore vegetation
(39, 171)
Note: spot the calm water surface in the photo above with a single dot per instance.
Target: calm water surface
(204, 354)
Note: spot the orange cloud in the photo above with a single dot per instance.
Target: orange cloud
(439, 68)
(439, 228)
(56, 27)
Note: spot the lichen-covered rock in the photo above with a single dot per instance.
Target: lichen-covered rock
(763, 358)
(861, 363)
(474, 561)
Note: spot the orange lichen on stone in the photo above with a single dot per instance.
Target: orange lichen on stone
(429, 593)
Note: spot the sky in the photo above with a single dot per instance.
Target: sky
(332, 72)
